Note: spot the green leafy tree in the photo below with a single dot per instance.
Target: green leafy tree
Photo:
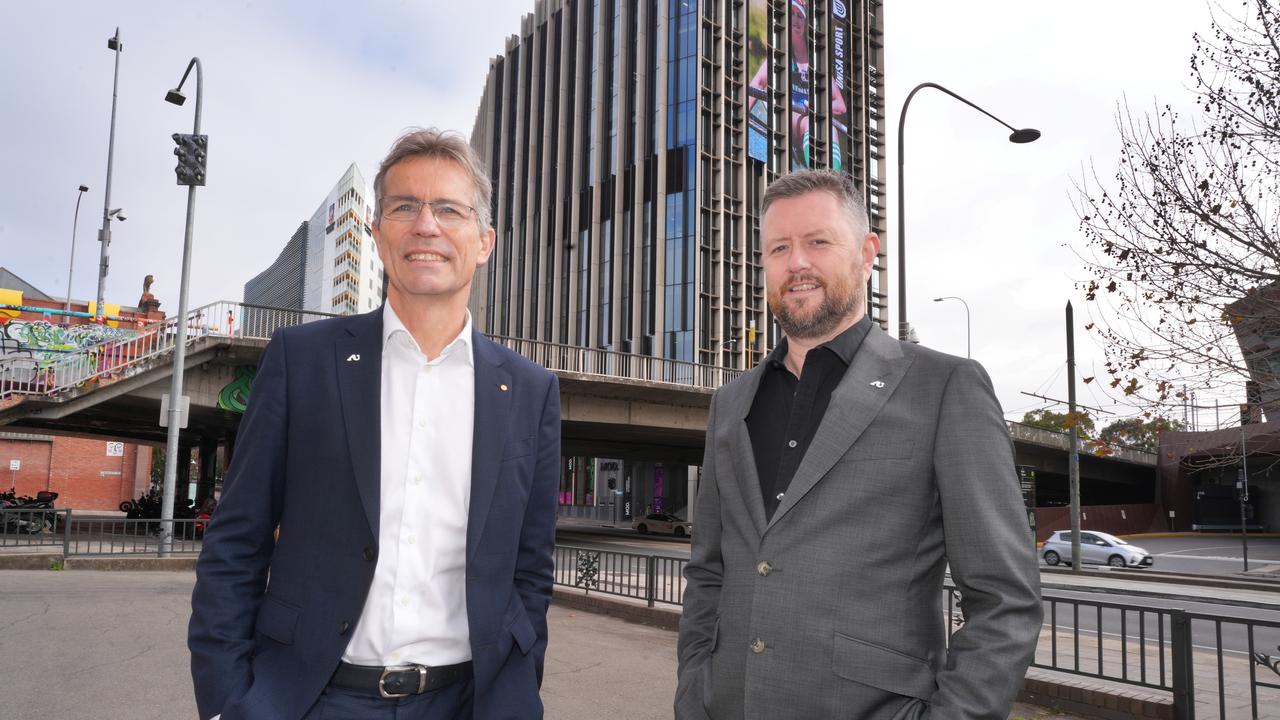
(1060, 422)
(1139, 433)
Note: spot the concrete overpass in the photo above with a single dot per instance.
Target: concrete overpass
(614, 405)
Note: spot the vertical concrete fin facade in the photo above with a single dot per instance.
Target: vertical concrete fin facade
(618, 134)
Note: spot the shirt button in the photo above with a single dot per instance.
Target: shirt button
(413, 540)
(764, 568)
(791, 443)
(343, 627)
(757, 646)
(404, 600)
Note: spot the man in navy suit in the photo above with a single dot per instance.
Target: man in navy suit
(411, 467)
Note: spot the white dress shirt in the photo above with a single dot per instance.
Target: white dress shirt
(416, 611)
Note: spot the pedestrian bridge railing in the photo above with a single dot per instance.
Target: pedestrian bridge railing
(48, 374)
(36, 374)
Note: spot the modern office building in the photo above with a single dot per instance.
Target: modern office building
(330, 263)
(630, 142)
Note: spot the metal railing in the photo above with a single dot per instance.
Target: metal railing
(121, 358)
(652, 578)
(1186, 654)
(27, 375)
(1213, 665)
(611, 363)
(55, 529)
(1062, 441)
(30, 528)
(96, 537)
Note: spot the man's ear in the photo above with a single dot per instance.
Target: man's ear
(487, 239)
(870, 249)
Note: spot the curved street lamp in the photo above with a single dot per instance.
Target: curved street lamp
(1018, 136)
(968, 331)
(191, 161)
(71, 264)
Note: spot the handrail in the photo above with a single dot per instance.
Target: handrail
(119, 358)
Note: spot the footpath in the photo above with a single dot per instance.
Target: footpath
(100, 645)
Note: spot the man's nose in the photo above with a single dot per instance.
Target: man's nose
(426, 223)
(797, 259)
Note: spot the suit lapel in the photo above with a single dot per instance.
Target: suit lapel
(737, 407)
(358, 355)
(493, 410)
(870, 381)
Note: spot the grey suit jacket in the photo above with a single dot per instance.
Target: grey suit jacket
(833, 608)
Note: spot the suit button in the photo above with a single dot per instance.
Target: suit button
(368, 554)
(343, 627)
(764, 568)
(757, 646)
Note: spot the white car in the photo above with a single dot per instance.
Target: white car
(663, 523)
(1096, 548)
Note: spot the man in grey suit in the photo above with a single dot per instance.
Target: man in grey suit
(841, 477)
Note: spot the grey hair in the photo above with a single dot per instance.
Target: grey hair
(440, 145)
(837, 184)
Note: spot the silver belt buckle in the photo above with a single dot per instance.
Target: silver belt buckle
(422, 680)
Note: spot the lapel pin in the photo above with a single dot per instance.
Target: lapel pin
(877, 384)
(503, 387)
(353, 358)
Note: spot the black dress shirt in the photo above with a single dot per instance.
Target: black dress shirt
(787, 410)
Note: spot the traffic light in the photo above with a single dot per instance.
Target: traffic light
(191, 158)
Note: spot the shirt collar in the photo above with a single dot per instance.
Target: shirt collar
(844, 346)
(393, 327)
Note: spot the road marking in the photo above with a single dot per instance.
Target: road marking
(1230, 558)
(1216, 547)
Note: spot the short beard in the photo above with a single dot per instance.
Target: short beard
(836, 308)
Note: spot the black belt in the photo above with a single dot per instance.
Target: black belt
(399, 681)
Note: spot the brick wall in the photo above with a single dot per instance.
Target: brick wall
(78, 469)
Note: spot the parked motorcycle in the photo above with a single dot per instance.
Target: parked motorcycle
(26, 514)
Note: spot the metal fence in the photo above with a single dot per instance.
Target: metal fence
(120, 358)
(1213, 665)
(611, 363)
(54, 530)
(652, 578)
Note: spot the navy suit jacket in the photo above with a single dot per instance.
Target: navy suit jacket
(271, 617)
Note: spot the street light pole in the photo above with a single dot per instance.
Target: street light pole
(191, 173)
(1025, 135)
(104, 235)
(1073, 460)
(71, 264)
(1244, 495)
(968, 326)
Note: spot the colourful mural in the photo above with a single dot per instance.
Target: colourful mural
(46, 337)
(235, 395)
(30, 349)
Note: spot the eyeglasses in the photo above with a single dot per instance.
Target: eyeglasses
(447, 213)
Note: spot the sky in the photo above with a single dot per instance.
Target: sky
(296, 91)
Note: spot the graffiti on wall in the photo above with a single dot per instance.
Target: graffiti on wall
(38, 344)
(235, 394)
(47, 338)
